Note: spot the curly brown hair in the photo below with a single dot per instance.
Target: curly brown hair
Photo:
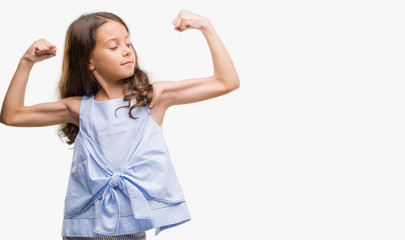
(76, 78)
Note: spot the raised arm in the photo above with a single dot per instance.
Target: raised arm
(14, 113)
(224, 80)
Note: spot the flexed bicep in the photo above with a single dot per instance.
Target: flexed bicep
(45, 114)
(192, 90)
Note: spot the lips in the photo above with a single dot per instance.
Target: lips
(127, 63)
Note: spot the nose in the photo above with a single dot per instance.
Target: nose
(126, 51)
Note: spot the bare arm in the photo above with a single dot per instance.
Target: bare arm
(224, 80)
(14, 113)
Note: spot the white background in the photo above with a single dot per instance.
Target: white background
(311, 146)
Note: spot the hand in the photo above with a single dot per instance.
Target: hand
(186, 20)
(40, 50)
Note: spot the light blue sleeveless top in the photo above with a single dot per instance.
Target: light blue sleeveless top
(121, 180)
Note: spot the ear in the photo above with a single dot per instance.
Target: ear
(91, 65)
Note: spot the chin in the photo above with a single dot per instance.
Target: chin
(127, 76)
(131, 75)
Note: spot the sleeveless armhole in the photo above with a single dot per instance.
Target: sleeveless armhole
(147, 107)
(151, 118)
(81, 111)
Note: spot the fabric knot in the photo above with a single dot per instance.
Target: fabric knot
(115, 180)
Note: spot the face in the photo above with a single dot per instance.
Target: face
(113, 57)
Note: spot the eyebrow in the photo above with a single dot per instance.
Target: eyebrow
(114, 39)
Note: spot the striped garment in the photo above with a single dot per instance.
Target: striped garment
(134, 236)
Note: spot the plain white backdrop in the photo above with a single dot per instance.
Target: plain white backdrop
(311, 146)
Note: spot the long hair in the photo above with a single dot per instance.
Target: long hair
(78, 80)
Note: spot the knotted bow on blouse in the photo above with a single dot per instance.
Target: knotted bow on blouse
(107, 220)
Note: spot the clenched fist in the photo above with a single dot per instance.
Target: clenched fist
(40, 50)
(186, 20)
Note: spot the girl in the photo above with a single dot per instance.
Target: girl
(121, 182)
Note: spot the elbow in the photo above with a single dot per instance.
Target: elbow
(235, 84)
(5, 121)
(10, 118)
(2, 119)
(229, 84)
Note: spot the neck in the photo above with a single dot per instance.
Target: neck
(110, 90)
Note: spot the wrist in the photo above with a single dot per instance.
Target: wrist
(26, 62)
(206, 26)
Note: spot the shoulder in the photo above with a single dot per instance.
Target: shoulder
(158, 106)
(73, 105)
(159, 88)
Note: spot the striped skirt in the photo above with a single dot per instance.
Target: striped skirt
(134, 236)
